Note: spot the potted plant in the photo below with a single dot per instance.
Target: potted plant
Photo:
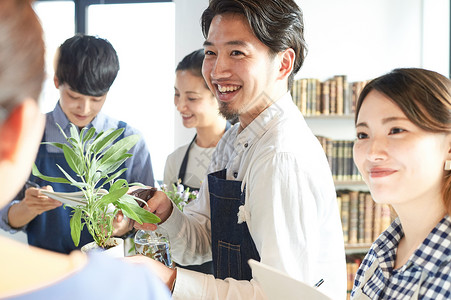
(95, 159)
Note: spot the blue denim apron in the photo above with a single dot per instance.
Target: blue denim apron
(51, 230)
(232, 244)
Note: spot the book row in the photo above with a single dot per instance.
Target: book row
(352, 265)
(339, 156)
(335, 96)
(362, 219)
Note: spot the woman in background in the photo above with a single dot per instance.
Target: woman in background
(403, 151)
(198, 109)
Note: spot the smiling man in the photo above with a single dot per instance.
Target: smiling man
(85, 69)
(269, 195)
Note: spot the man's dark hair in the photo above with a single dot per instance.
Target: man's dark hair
(276, 23)
(88, 64)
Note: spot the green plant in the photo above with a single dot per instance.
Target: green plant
(95, 159)
(179, 195)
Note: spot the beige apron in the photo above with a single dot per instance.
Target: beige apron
(359, 295)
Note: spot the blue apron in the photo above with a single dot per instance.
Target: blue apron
(232, 244)
(51, 230)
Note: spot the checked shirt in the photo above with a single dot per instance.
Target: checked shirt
(429, 267)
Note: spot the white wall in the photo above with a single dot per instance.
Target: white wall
(188, 37)
(360, 38)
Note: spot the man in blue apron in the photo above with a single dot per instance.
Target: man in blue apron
(269, 194)
(83, 78)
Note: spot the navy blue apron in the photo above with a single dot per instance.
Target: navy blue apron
(207, 267)
(232, 244)
(51, 230)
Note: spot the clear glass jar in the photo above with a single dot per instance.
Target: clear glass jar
(154, 244)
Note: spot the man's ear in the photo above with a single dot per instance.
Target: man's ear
(55, 81)
(287, 58)
(23, 121)
(20, 135)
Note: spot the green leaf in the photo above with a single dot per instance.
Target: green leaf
(115, 175)
(36, 173)
(71, 180)
(128, 212)
(57, 145)
(111, 197)
(89, 134)
(74, 133)
(111, 166)
(73, 160)
(118, 184)
(75, 226)
(107, 140)
(62, 131)
(116, 151)
(145, 216)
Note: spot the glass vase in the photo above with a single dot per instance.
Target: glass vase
(154, 244)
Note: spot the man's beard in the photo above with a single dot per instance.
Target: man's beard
(227, 112)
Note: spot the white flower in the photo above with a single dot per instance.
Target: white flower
(242, 214)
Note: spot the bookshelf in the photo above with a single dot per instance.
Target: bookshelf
(328, 107)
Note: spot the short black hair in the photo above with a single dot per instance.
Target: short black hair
(88, 64)
(278, 24)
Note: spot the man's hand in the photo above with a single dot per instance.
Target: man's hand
(121, 224)
(167, 275)
(159, 204)
(33, 204)
(37, 203)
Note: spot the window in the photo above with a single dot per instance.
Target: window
(143, 35)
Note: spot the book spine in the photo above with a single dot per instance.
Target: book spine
(345, 202)
(377, 220)
(369, 218)
(353, 216)
(361, 219)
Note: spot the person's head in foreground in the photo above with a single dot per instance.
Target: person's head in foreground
(403, 151)
(21, 77)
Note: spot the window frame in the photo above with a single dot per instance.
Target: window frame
(81, 8)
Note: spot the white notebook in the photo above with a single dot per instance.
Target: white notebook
(277, 285)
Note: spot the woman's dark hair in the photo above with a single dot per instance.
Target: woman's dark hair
(193, 63)
(424, 97)
(276, 23)
(88, 64)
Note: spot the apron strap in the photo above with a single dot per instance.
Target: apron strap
(182, 170)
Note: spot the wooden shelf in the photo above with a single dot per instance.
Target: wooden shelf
(357, 248)
(350, 182)
(331, 117)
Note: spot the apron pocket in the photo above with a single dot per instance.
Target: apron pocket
(229, 260)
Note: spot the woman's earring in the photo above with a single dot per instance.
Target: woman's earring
(447, 165)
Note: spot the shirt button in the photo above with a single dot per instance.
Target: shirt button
(235, 174)
(245, 145)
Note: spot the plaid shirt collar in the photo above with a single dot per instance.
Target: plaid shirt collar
(433, 252)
